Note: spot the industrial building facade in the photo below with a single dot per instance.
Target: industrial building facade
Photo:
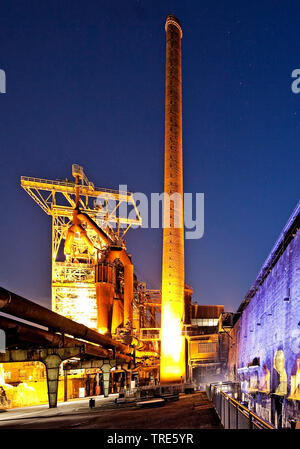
(264, 351)
(207, 346)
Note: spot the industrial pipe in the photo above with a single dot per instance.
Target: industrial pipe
(104, 293)
(117, 315)
(105, 297)
(83, 235)
(39, 336)
(119, 253)
(4, 301)
(82, 217)
(107, 308)
(28, 310)
(79, 218)
(104, 280)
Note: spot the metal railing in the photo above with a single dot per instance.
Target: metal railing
(60, 182)
(233, 414)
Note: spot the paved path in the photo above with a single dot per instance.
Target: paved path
(190, 412)
(72, 406)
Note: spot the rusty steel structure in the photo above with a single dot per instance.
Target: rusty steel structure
(86, 220)
(172, 364)
(25, 309)
(101, 314)
(93, 280)
(56, 343)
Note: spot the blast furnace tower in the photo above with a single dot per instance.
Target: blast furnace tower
(172, 363)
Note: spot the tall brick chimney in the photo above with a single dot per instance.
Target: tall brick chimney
(172, 363)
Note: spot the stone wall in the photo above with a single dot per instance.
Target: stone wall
(267, 336)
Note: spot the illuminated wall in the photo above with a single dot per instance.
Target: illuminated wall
(269, 331)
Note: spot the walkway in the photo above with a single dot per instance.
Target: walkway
(190, 412)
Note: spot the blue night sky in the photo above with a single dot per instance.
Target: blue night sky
(85, 84)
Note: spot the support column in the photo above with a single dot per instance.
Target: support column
(112, 382)
(128, 379)
(106, 367)
(97, 384)
(51, 357)
(191, 373)
(52, 363)
(106, 376)
(65, 385)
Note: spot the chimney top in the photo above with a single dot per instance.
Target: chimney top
(171, 19)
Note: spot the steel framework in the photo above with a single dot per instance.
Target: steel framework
(114, 211)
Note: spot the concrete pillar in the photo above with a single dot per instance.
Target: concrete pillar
(65, 385)
(51, 357)
(97, 383)
(106, 366)
(128, 379)
(106, 376)
(190, 373)
(52, 363)
(112, 382)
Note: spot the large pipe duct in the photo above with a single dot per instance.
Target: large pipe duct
(120, 253)
(172, 363)
(105, 291)
(76, 227)
(84, 218)
(117, 314)
(79, 218)
(104, 280)
(35, 335)
(104, 288)
(28, 310)
(4, 301)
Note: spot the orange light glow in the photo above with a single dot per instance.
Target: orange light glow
(81, 306)
(172, 363)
